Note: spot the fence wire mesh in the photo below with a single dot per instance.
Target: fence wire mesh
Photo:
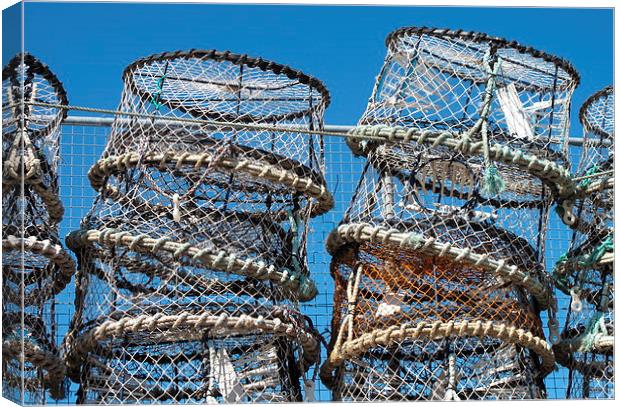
(82, 145)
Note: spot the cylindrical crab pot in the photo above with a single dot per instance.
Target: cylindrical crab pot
(192, 145)
(35, 267)
(490, 99)
(31, 131)
(585, 272)
(237, 285)
(586, 346)
(590, 210)
(209, 365)
(201, 221)
(412, 325)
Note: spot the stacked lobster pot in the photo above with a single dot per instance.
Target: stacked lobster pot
(438, 262)
(193, 256)
(585, 273)
(35, 267)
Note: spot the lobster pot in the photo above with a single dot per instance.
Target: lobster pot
(200, 367)
(585, 273)
(401, 186)
(586, 347)
(30, 134)
(35, 267)
(230, 300)
(590, 210)
(439, 80)
(264, 168)
(413, 326)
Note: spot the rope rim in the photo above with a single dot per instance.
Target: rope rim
(77, 347)
(583, 112)
(222, 261)
(433, 331)
(12, 180)
(549, 172)
(115, 164)
(363, 232)
(55, 253)
(237, 59)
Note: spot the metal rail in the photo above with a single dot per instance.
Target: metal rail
(107, 122)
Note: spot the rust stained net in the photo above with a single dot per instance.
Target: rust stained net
(439, 259)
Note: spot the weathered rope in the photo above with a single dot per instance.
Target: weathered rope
(103, 168)
(599, 343)
(54, 253)
(434, 331)
(362, 232)
(192, 325)
(43, 359)
(52, 202)
(544, 169)
(220, 260)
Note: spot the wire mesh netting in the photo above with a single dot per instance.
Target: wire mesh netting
(83, 144)
(199, 217)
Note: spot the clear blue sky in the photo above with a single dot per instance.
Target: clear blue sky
(88, 46)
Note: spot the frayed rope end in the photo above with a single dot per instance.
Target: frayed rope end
(493, 182)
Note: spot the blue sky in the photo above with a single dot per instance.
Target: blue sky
(88, 46)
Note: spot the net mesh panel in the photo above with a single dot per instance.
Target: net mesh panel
(441, 253)
(82, 146)
(193, 257)
(437, 80)
(35, 267)
(586, 271)
(83, 143)
(398, 288)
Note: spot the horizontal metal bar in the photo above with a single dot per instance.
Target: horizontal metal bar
(107, 122)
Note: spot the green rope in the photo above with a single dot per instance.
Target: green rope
(295, 226)
(493, 184)
(160, 89)
(596, 327)
(307, 287)
(593, 257)
(593, 170)
(600, 250)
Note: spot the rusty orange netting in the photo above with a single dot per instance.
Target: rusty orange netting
(409, 313)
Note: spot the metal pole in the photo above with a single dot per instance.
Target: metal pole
(107, 122)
